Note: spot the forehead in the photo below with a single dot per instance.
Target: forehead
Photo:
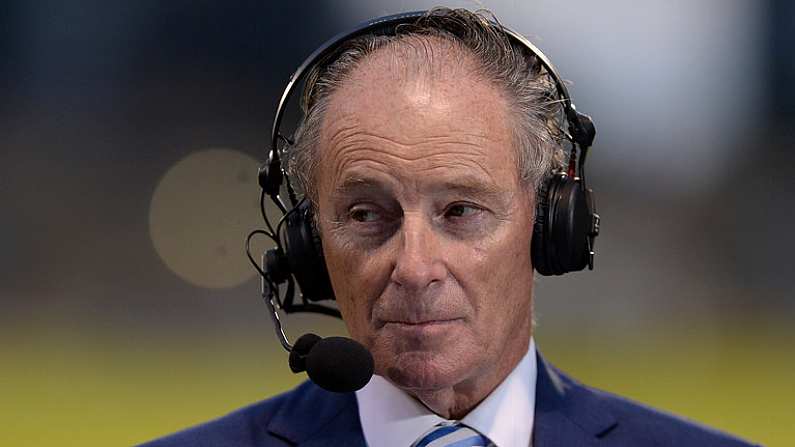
(425, 107)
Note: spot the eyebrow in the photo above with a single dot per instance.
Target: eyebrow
(470, 186)
(356, 184)
(467, 186)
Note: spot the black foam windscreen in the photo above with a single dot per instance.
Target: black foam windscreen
(339, 364)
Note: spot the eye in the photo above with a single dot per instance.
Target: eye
(458, 210)
(363, 214)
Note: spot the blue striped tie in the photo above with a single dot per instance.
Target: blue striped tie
(452, 434)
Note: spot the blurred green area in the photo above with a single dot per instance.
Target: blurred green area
(66, 389)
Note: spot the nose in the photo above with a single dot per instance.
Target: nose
(419, 261)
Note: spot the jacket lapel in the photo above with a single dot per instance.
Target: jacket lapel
(567, 413)
(313, 417)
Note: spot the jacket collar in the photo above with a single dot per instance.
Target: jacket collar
(566, 412)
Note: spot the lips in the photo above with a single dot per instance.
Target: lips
(418, 310)
(426, 322)
(429, 327)
(416, 321)
(422, 334)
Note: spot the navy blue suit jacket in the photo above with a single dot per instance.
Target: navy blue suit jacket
(567, 414)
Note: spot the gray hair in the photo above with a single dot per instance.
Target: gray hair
(531, 93)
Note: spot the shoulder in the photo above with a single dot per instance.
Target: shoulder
(639, 424)
(247, 426)
(664, 428)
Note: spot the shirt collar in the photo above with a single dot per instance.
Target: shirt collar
(390, 417)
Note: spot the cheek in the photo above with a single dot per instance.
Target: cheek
(357, 277)
(498, 276)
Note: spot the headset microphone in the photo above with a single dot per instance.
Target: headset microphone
(335, 364)
(565, 228)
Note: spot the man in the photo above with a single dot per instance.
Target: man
(422, 153)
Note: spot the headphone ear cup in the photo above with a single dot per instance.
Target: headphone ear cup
(304, 253)
(563, 224)
(571, 227)
(538, 249)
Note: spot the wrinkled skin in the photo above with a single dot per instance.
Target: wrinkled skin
(426, 226)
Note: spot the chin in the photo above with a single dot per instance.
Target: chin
(422, 370)
(427, 358)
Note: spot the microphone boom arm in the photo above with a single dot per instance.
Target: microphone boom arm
(269, 296)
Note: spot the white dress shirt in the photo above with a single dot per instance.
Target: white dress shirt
(392, 418)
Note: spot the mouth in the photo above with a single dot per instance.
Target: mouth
(423, 328)
(422, 323)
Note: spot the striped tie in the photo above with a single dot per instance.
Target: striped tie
(452, 434)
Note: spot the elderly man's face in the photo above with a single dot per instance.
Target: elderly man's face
(426, 225)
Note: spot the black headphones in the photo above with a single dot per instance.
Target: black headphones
(566, 222)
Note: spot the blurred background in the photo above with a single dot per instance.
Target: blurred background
(131, 133)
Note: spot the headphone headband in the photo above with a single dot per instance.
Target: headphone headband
(566, 223)
(580, 126)
(564, 230)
